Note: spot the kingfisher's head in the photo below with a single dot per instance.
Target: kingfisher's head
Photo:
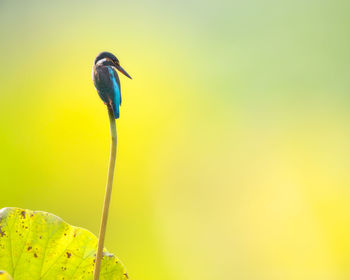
(107, 58)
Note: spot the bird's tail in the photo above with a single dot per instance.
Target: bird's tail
(115, 108)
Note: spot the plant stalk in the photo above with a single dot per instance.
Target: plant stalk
(108, 193)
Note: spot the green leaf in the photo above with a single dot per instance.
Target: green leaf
(38, 245)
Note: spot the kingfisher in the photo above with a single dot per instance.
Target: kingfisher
(106, 80)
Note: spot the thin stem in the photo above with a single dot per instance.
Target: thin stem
(108, 193)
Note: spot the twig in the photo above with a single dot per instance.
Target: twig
(108, 193)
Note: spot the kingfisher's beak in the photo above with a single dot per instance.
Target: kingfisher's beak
(122, 70)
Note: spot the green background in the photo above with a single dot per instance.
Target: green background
(233, 153)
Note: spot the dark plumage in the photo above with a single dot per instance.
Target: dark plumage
(106, 80)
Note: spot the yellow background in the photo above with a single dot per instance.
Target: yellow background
(234, 136)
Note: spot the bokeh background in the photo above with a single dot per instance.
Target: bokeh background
(234, 136)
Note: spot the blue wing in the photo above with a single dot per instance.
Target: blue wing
(117, 98)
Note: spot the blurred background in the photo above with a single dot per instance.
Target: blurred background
(234, 137)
